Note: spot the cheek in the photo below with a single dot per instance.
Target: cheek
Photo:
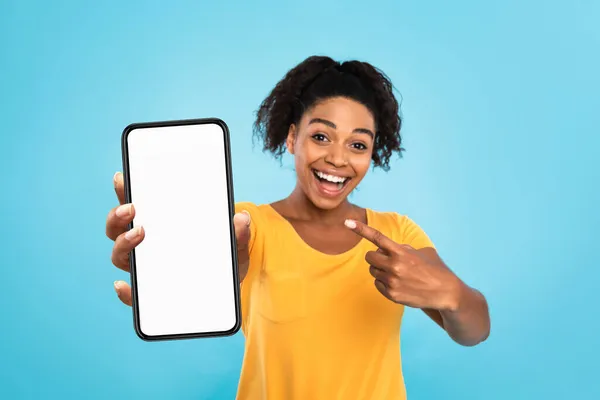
(302, 163)
(361, 164)
(306, 154)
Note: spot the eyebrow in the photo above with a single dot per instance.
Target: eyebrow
(332, 125)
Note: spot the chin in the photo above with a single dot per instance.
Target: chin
(325, 204)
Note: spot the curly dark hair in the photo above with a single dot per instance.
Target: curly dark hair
(318, 78)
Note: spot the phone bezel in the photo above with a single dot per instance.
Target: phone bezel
(231, 201)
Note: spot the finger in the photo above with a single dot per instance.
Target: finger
(123, 292)
(406, 250)
(124, 244)
(407, 255)
(372, 235)
(378, 258)
(383, 289)
(379, 274)
(387, 278)
(118, 220)
(119, 185)
(241, 222)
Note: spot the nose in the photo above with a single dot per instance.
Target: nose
(336, 156)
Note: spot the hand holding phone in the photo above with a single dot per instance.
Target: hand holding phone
(117, 226)
(198, 296)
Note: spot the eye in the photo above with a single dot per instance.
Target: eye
(359, 146)
(319, 137)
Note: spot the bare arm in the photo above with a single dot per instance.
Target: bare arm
(466, 319)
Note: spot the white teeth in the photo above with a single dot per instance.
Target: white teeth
(331, 178)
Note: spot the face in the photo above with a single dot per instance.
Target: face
(332, 147)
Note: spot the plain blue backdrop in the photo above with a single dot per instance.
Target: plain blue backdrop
(501, 107)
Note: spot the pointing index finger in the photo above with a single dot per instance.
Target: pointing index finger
(372, 235)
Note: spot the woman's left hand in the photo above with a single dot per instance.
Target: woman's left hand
(406, 276)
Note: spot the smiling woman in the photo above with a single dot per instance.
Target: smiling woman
(324, 281)
(332, 147)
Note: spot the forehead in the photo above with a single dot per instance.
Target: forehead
(346, 114)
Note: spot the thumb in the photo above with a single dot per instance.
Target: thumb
(241, 222)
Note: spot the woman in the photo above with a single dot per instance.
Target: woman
(324, 282)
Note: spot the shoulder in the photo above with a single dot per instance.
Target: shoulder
(247, 206)
(400, 228)
(259, 213)
(390, 221)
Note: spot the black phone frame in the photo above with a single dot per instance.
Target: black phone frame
(233, 241)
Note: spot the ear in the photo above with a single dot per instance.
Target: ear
(291, 139)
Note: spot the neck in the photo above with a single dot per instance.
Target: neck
(304, 209)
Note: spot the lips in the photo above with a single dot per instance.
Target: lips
(330, 185)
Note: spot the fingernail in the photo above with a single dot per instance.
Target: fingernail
(115, 178)
(123, 210)
(117, 285)
(248, 214)
(350, 223)
(133, 233)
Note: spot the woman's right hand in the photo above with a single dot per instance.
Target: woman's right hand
(117, 224)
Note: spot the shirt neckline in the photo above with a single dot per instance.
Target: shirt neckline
(299, 238)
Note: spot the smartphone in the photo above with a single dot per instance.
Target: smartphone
(184, 274)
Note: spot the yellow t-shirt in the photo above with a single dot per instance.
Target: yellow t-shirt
(315, 325)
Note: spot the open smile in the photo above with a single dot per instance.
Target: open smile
(330, 185)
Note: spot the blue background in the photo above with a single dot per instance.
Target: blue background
(500, 101)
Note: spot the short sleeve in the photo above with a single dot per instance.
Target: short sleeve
(412, 234)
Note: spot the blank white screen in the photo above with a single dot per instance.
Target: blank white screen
(184, 268)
